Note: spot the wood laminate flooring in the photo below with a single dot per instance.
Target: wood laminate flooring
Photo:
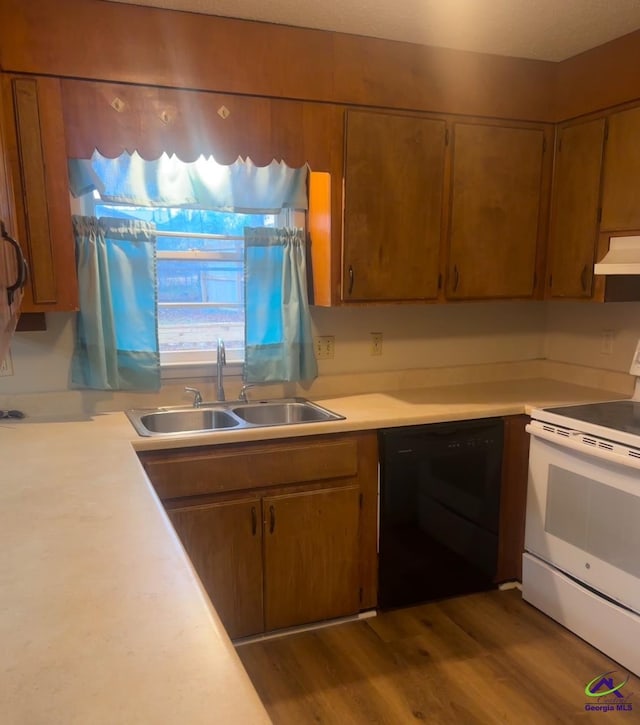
(483, 658)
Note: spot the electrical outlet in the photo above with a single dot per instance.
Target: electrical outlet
(6, 365)
(324, 347)
(376, 343)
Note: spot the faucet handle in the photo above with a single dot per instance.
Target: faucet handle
(197, 396)
(243, 392)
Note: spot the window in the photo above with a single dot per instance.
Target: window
(200, 252)
(200, 257)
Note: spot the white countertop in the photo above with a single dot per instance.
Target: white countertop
(102, 618)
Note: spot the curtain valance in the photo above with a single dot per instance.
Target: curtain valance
(240, 187)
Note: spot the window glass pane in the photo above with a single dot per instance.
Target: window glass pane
(200, 280)
(199, 298)
(188, 280)
(182, 329)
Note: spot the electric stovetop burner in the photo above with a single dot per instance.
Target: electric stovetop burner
(621, 415)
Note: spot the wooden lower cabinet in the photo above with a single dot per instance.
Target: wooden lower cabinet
(280, 533)
(311, 556)
(224, 542)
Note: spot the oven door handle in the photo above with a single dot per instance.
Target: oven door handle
(572, 441)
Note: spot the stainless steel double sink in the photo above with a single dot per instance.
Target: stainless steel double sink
(208, 417)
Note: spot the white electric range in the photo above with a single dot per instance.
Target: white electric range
(582, 544)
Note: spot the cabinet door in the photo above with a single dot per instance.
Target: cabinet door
(621, 178)
(8, 260)
(224, 543)
(394, 169)
(495, 208)
(37, 158)
(311, 556)
(574, 220)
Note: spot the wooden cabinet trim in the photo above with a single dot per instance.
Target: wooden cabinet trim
(38, 231)
(214, 470)
(513, 498)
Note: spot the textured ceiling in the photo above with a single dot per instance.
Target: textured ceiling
(543, 29)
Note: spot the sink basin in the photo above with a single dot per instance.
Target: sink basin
(221, 416)
(185, 420)
(283, 413)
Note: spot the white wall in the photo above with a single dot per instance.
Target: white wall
(575, 332)
(41, 360)
(414, 336)
(424, 336)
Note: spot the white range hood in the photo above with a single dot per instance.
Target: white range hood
(623, 257)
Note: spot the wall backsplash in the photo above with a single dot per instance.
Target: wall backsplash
(575, 332)
(425, 336)
(414, 336)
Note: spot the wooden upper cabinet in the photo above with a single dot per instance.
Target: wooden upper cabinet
(621, 177)
(497, 186)
(574, 218)
(311, 556)
(12, 269)
(394, 171)
(37, 160)
(224, 542)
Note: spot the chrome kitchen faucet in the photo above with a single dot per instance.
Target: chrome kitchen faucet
(221, 361)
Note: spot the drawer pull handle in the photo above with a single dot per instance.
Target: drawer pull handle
(254, 521)
(584, 277)
(351, 279)
(272, 519)
(456, 277)
(21, 265)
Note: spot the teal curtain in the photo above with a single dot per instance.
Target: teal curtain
(278, 335)
(116, 344)
(203, 184)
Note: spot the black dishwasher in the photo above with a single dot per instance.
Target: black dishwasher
(439, 510)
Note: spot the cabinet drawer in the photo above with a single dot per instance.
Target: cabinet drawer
(193, 473)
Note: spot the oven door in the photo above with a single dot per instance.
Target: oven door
(583, 514)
